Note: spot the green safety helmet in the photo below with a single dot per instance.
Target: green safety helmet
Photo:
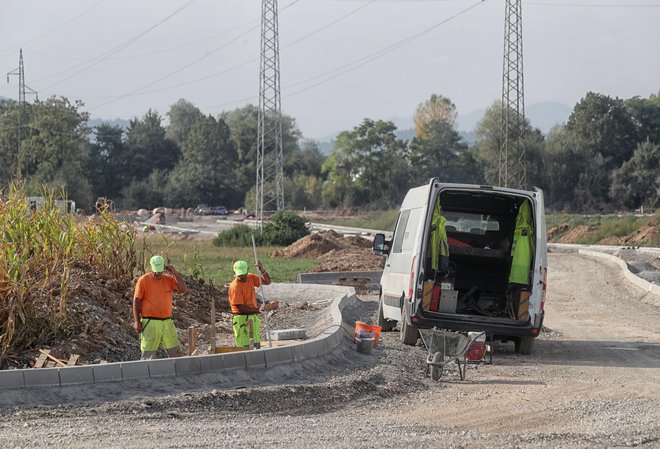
(240, 268)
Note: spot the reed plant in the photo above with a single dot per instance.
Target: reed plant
(40, 247)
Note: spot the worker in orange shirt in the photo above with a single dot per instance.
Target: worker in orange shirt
(152, 309)
(243, 302)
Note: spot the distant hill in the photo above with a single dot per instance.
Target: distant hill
(541, 115)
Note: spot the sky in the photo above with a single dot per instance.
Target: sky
(340, 60)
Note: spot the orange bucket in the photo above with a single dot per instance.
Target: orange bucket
(364, 330)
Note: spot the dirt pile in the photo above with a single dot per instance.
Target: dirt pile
(335, 252)
(99, 318)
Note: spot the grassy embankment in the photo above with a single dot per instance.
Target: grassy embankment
(201, 259)
(607, 229)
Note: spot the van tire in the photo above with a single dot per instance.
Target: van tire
(408, 334)
(386, 325)
(524, 345)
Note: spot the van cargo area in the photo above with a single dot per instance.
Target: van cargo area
(466, 257)
(480, 228)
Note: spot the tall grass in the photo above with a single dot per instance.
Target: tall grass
(39, 248)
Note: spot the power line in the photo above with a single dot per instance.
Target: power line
(105, 55)
(188, 65)
(595, 5)
(54, 29)
(355, 64)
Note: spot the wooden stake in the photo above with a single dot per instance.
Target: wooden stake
(192, 340)
(212, 325)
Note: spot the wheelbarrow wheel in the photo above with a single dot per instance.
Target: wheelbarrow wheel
(436, 370)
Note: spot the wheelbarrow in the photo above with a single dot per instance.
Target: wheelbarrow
(447, 348)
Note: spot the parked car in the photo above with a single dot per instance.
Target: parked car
(219, 210)
(203, 209)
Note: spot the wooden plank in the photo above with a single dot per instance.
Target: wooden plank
(41, 360)
(53, 358)
(192, 340)
(50, 364)
(224, 349)
(73, 360)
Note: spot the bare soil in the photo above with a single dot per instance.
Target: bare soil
(593, 381)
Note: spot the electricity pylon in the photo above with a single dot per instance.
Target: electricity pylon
(512, 170)
(22, 90)
(270, 171)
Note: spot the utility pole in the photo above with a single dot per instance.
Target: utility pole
(270, 169)
(512, 169)
(22, 90)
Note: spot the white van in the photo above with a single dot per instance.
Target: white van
(472, 290)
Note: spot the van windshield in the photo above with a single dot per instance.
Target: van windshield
(470, 223)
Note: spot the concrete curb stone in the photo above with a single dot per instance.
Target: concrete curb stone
(196, 365)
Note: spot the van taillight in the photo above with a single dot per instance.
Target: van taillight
(545, 287)
(411, 284)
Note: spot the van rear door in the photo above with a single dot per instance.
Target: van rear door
(403, 257)
(540, 264)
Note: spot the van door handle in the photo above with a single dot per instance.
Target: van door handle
(387, 265)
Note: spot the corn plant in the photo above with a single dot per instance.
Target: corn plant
(39, 247)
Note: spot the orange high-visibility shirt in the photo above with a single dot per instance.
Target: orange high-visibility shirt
(243, 292)
(156, 295)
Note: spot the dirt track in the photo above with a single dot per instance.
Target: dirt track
(594, 381)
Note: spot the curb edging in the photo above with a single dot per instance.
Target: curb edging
(188, 365)
(639, 282)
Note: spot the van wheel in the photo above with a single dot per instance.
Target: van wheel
(524, 345)
(408, 334)
(386, 325)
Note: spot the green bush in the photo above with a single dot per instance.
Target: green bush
(283, 228)
(239, 235)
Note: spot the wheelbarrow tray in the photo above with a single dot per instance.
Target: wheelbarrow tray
(446, 348)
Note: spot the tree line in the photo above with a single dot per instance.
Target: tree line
(605, 157)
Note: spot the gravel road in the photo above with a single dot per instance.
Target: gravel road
(593, 381)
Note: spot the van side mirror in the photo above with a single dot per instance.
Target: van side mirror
(381, 246)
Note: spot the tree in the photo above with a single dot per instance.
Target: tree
(182, 116)
(148, 147)
(367, 167)
(108, 160)
(54, 149)
(489, 143)
(637, 182)
(439, 153)
(435, 109)
(306, 159)
(243, 123)
(645, 115)
(9, 139)
(206, 171)
(605, 126)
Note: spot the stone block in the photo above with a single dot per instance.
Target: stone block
(12, 378)
(234, 360)
(108, 372)
(288, 334)
(186, 366)
(255, 358)
(162, 368)
(135, 370)
(75, 375)
(42, 377)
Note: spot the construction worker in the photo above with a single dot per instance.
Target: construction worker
(243, 302)
(152, 309)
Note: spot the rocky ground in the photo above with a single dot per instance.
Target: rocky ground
(593, 381)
